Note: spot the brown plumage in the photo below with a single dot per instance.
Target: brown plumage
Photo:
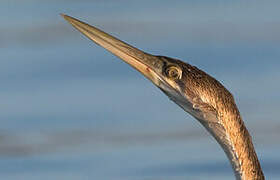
(196, 92)
(211, 95)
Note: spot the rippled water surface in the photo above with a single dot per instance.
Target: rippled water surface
(71, 110)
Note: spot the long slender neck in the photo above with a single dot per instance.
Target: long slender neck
(241, 151)
(224, 122)
(229, 130)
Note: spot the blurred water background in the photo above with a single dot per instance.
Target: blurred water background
(71, 110)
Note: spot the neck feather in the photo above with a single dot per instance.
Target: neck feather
(241, 151)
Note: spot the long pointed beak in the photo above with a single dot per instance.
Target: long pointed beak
(149, 65)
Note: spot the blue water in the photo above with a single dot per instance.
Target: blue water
(71, 110)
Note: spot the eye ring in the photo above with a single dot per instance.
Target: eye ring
(173, 72)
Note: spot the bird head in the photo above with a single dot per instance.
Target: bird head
(174, 77)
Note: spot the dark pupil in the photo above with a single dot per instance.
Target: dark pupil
(173, 73)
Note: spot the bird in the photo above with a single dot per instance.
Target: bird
(196, 92)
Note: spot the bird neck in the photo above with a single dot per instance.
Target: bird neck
(222, 119)
(240, 149)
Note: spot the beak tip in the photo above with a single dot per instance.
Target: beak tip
(66, 17)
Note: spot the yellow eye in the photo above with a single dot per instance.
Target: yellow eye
(173, 72)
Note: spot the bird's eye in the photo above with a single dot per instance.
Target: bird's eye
(173, 72)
